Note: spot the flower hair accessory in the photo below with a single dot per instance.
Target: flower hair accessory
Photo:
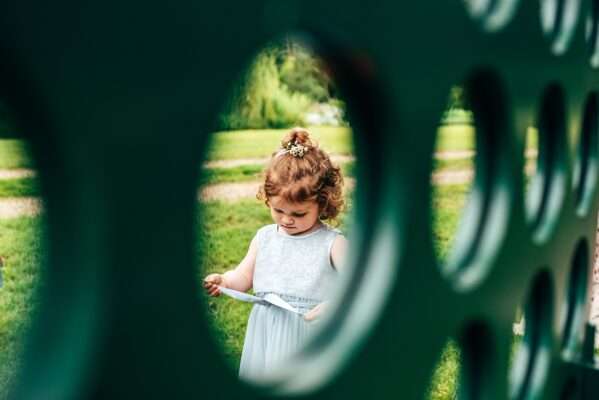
(295, 149)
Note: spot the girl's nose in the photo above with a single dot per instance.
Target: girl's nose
(287, 220)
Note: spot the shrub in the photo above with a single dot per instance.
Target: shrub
(263, 101)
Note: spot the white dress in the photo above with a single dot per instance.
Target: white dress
(299, 270)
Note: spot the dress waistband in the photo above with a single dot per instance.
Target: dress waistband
(295, 301)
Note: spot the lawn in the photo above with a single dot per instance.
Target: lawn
(19, 187)
(261, 143)
(21, 251)
(14, 154)
(336, 140)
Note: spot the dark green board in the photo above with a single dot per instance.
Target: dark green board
(118, 95)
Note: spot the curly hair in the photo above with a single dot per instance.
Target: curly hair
(305, 175)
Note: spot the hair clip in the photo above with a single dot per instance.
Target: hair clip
(296, 150)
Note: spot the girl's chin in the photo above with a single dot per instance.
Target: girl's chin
(290, 230)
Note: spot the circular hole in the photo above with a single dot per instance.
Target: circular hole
(546, 189)
(575, 316)
(493, 15)
(477, 345)
(464, 369)
(482, 195)
(532, 341)
(592, 33)
(571, 390)
(558, 21)
(21, 245)
(453, 169)
(585, 167)
(531, 153)
(277, 245)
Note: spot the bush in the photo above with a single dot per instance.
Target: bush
(263, 101)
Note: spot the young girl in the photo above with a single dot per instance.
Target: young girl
(296, 258)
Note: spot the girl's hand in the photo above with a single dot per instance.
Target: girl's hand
(211, 284)
(316, 312)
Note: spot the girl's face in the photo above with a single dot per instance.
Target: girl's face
(294, 218)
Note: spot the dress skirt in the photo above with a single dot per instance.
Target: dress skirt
(273, 335)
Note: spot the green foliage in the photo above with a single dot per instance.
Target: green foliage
(264, 101)
(278, 88)
(301, 72)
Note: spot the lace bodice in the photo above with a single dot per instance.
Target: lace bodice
(295, 265)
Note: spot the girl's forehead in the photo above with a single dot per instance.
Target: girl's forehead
(279, 202)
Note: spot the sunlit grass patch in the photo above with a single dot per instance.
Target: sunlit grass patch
(21, 252)
(14, 154)
(19, 187)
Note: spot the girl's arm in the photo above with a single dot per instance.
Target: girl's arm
(338, 251)
(337, 256)
(240, 278)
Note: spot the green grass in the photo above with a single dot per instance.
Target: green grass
(251, 172)
(14, 154)
(19, 187)
(20, 249)
(243, 173)
(262, 143)
(455, 138)
(227, 230)
(453, 164)
(448, 203)
(445, 377)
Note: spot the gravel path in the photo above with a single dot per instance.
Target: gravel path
(16, 173)
(12, 207)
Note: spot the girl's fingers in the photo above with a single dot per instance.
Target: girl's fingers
(312, 314)
(214, 279)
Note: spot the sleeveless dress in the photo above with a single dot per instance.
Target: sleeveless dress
(298, 269)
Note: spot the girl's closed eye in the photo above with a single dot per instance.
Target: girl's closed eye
(298, 215)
